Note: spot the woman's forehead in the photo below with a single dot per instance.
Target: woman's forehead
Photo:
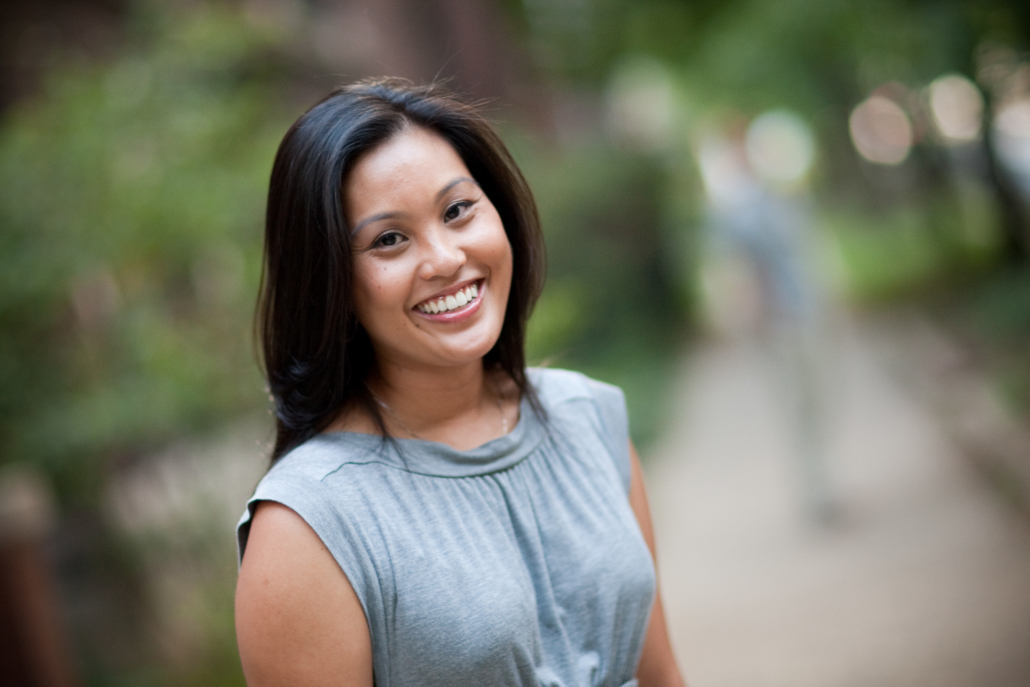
(413, 164)
(412, 148)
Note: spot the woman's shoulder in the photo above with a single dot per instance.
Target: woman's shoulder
(585, 406)
(294, 599)
(326, 467)
(326, 454)
(556, 386)
(315, 475)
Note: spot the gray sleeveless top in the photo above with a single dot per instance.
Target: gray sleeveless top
(517, 563)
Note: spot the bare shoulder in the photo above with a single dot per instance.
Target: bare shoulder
(298, 620)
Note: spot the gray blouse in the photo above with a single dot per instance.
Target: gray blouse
(517, 563)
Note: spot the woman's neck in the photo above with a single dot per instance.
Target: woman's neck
(430, 396)
(463, 407)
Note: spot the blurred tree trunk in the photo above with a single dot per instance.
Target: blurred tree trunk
(33, 651)
(32, 647)
(465, 42)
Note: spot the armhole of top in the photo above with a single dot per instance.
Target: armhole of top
(611, 407)
(243, 531)
(320, 517)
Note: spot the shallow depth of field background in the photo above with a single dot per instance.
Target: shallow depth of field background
(136, 139)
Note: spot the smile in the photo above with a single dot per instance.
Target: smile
(454, 301)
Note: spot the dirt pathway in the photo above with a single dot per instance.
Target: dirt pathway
(924, 578)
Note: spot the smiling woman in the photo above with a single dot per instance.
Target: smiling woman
(436, 514)
(426, 237)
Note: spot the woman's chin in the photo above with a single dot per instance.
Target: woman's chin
(468, 346)
(453, 353)
(466, 355)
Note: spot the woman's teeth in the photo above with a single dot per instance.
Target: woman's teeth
(452, 302)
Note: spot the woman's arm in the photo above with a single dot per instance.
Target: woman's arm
(657, 663)
(298, 620)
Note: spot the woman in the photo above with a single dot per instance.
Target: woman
(435, 514)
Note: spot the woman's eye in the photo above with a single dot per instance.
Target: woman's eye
(388, 240)
(456, 210)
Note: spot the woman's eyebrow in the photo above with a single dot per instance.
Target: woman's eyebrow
(451, 185)
(374, 218)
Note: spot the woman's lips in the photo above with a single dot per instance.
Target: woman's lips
(462, 303)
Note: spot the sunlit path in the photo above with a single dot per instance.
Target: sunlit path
(924, 579)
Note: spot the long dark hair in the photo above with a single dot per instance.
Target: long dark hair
(316, 355)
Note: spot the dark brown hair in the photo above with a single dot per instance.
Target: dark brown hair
(316, 355)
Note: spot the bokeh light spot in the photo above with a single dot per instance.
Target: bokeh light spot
(957, 108)
(779, 146)
(641, 104)
(881, 131)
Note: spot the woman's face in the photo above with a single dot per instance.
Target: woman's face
(432, 264)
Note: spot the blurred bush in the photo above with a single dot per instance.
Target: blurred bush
(991, 317)
(131, 198)
(131, 211)
(613, 306)
(914, 247)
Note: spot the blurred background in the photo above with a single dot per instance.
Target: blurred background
(796, 232)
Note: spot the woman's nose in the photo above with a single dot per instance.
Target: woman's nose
(443, 254)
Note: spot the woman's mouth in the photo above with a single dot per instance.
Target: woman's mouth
(454, 301)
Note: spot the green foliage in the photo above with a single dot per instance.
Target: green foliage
(757, 54)
(131, 204)
(611, 306)
(732, 60)
(908, 247)
(131, 200)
